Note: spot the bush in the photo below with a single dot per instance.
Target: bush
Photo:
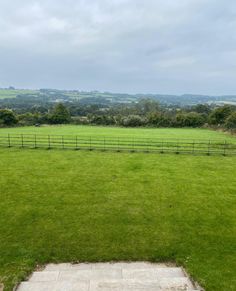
(101, 119)
(191, 119)
(77, 120)
(219, 115)
(159, 120)
(231, 121)
(31, 119)
(7, 117)
(133, 121)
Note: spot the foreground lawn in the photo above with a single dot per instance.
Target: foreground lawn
(162, 133)
(61, 206)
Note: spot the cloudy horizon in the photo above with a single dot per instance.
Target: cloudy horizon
(132, 46)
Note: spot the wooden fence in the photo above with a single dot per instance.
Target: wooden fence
(118, 144)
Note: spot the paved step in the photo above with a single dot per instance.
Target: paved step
(115, 273)
(88, 266)
(152, 274)
(108, 277)
(54, 286)
(76, 275)
(175, 284)
(135, 285)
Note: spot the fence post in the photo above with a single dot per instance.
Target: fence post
(118, 145)
(22, 141)
(225, 144)
(49, 142)
(9, 141)
(62, 141)
(76, 142)
(35, 141)
(193, 147)
(177, 147)
(104, 143)
(90, 144)
(209, 143)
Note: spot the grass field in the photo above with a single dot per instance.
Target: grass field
(60, 206)
(186, 141)
(162, 133)
(7, 93)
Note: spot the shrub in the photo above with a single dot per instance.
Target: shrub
(133, 121)
(101, 119)
(231, 121)
(30, 119)
(159, 120)
(219, 115)
(7, 117)
(191, 119)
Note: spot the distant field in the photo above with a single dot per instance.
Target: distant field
(13, 93)
(162, 133)
(8, 93)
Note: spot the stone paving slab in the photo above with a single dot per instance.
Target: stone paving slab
(68, 267)
(88, 266)
(152, 274)
(135, 285)
(131, 265)
(54, 286)
(137, 276)
(109, 285)
(44, 276)
(94, 274)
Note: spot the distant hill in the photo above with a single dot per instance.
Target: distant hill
(96, 97)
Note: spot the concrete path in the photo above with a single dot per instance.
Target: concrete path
(137, 276)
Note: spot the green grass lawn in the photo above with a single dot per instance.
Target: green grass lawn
(61, 206)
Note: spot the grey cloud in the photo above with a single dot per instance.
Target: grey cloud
(119, 45)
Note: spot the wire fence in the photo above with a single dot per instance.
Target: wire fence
(189, 146)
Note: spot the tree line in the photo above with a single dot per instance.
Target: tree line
(146, 112)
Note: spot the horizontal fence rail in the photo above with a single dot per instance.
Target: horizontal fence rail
(189, 146)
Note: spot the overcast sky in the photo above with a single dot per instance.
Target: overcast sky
(157, 46)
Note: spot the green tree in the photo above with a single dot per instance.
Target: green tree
(219, 115)
(7, 117)
(202, 108)
(231, 121)
(133, 121)
(101, 119)
(159, 119)
(191, 119)
(30, 118)
(147, 105)
(60, 115)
